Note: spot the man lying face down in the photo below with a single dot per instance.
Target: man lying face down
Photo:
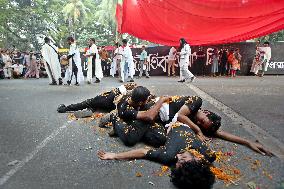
(189, 158)
(102, 102)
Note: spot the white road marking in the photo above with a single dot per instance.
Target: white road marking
(31, 155)
(274, 145)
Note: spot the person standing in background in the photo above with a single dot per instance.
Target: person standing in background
(34, 68)
(127, 64)
(172, 61)
(143, 62)
(115, 66)
(266, 56)
(51, 61)
(93, 58)
(104, 61)
(200, 62)
(214, 66)
(184, 54)
(74, 66)
(7, 64)
(223, 62)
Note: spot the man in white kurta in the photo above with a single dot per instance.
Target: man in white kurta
(127, 64)
(185, 52)
(74, 69)
(115, 65)
(266, 51)
(93, 58)
(51, 62)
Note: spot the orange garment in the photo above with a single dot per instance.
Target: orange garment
(103, 54)
(233, 61)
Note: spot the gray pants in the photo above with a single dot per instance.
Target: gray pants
(141, 63)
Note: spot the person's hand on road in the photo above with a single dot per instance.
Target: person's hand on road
(256, 146)
(106, 155)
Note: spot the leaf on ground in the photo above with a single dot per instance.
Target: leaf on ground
(138, 174)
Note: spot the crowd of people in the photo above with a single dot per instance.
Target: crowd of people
(16, 64)
(120, 62)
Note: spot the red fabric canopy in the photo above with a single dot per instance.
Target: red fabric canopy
(200, 22)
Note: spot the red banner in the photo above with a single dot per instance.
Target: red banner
(200, 22)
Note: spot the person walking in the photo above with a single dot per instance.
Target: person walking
(184, 54)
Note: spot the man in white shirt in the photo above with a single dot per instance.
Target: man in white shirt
(185, 52)
(51, 62)
(127, 64)
(74, 66)
(93, 58)
(115, 66)
(266, 51)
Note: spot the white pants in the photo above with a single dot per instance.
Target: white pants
(90, 72)
(184, 72)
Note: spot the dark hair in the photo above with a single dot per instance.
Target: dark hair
(93, 39)
(182, 43)
(193, 174)
(266, 42)
(216, 123)
(143, 46)
(117, 44)
(70, 38)
(124, 41)
(46, 40)
(140, 94)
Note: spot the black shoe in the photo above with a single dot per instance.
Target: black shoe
(53, 83)
(69, 82)
(61, 108)
(112, 133)
(77, 84)
(181, 81)
(192, 79)
(147, 76)
(97, 80)
(60, 81)
(131, 80)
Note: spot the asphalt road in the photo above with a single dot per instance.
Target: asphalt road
(50, 151)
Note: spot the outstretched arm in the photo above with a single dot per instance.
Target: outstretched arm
(183, 117)
(132, 154)
(256, 146)
(150, 114)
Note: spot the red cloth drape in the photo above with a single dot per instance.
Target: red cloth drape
(200, 22)
(118, 16)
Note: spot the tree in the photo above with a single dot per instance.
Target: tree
(74, 12)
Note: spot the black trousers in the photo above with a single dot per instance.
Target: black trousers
(223, 67)
(105, 68)
(139, 131)
(103, 102)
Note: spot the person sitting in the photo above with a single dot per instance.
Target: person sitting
(189, 158)
(17, 70)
